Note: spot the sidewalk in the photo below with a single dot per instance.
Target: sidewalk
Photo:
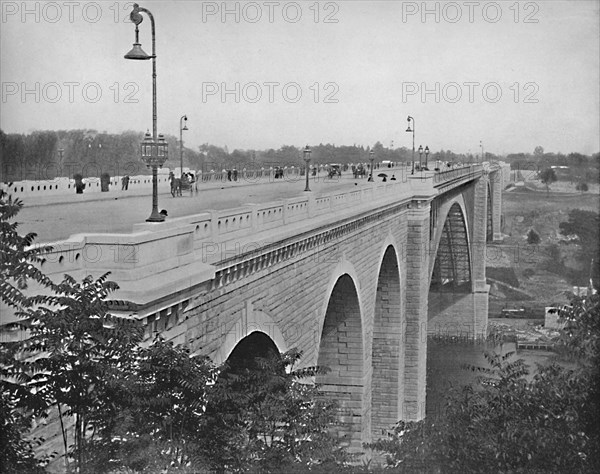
(117, 193)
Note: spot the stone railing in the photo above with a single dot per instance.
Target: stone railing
(65, 186)
(456, 173)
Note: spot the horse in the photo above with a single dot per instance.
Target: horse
(175, 185)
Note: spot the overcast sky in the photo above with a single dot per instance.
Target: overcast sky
(264, 74)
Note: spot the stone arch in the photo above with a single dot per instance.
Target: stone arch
(387, 347)
(252, 320)
(256, 344)
(341, 349)
(342, 268)
(459, 206)
(451, 279)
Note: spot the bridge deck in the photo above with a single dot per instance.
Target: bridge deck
(118, 211)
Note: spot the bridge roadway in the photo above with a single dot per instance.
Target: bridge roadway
(118, 211)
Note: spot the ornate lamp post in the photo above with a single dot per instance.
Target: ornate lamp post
(307, 152)
(426, 156)
(154, 149)
(413, 137)
(372, 158)
(420, 155)
(154, 154)
(481, 146)
(181, 129)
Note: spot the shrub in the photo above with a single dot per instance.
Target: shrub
(528, 272)
(533, 238)
(582, 186)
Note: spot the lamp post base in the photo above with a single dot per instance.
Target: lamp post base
(155, 217)
(307, 171)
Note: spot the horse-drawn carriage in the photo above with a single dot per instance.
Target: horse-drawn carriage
(334, 170)
(185, 183)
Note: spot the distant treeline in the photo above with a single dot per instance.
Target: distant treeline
(578, 167)
(44, 155)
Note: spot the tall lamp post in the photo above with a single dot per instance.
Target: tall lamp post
(481, 146)
(372, 158)
(154, 150)
(181, 129)
(420, 155)
(307, 152)
(413, 137)
(426, 155)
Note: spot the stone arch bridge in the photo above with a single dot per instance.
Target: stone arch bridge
(356, 280)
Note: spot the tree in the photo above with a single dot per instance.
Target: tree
(548, 176)
(586, 226)
(538, 152)
(263, 418)
(18, 257)
(533, 238)
(73, 349)
(16, 453)
(81, 351)
(158, 422)
(582, 186)
(18, 268)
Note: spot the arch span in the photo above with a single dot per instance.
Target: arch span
(388, 351)
(452, 262)
(451, 276)
(341, 349)
(252, 320)
(256, 345)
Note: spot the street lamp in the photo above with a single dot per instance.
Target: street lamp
(372, 158)
(426, 155)
(413, 136)
(420, 155)
(307, 152)
(154, 149)
(181, 129)
(481, 146)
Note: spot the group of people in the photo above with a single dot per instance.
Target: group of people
(124, 183)
(232, 175)
(359, 171)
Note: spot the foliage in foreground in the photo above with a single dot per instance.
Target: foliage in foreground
(18, 262)
(265, 418)
(505, 423)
